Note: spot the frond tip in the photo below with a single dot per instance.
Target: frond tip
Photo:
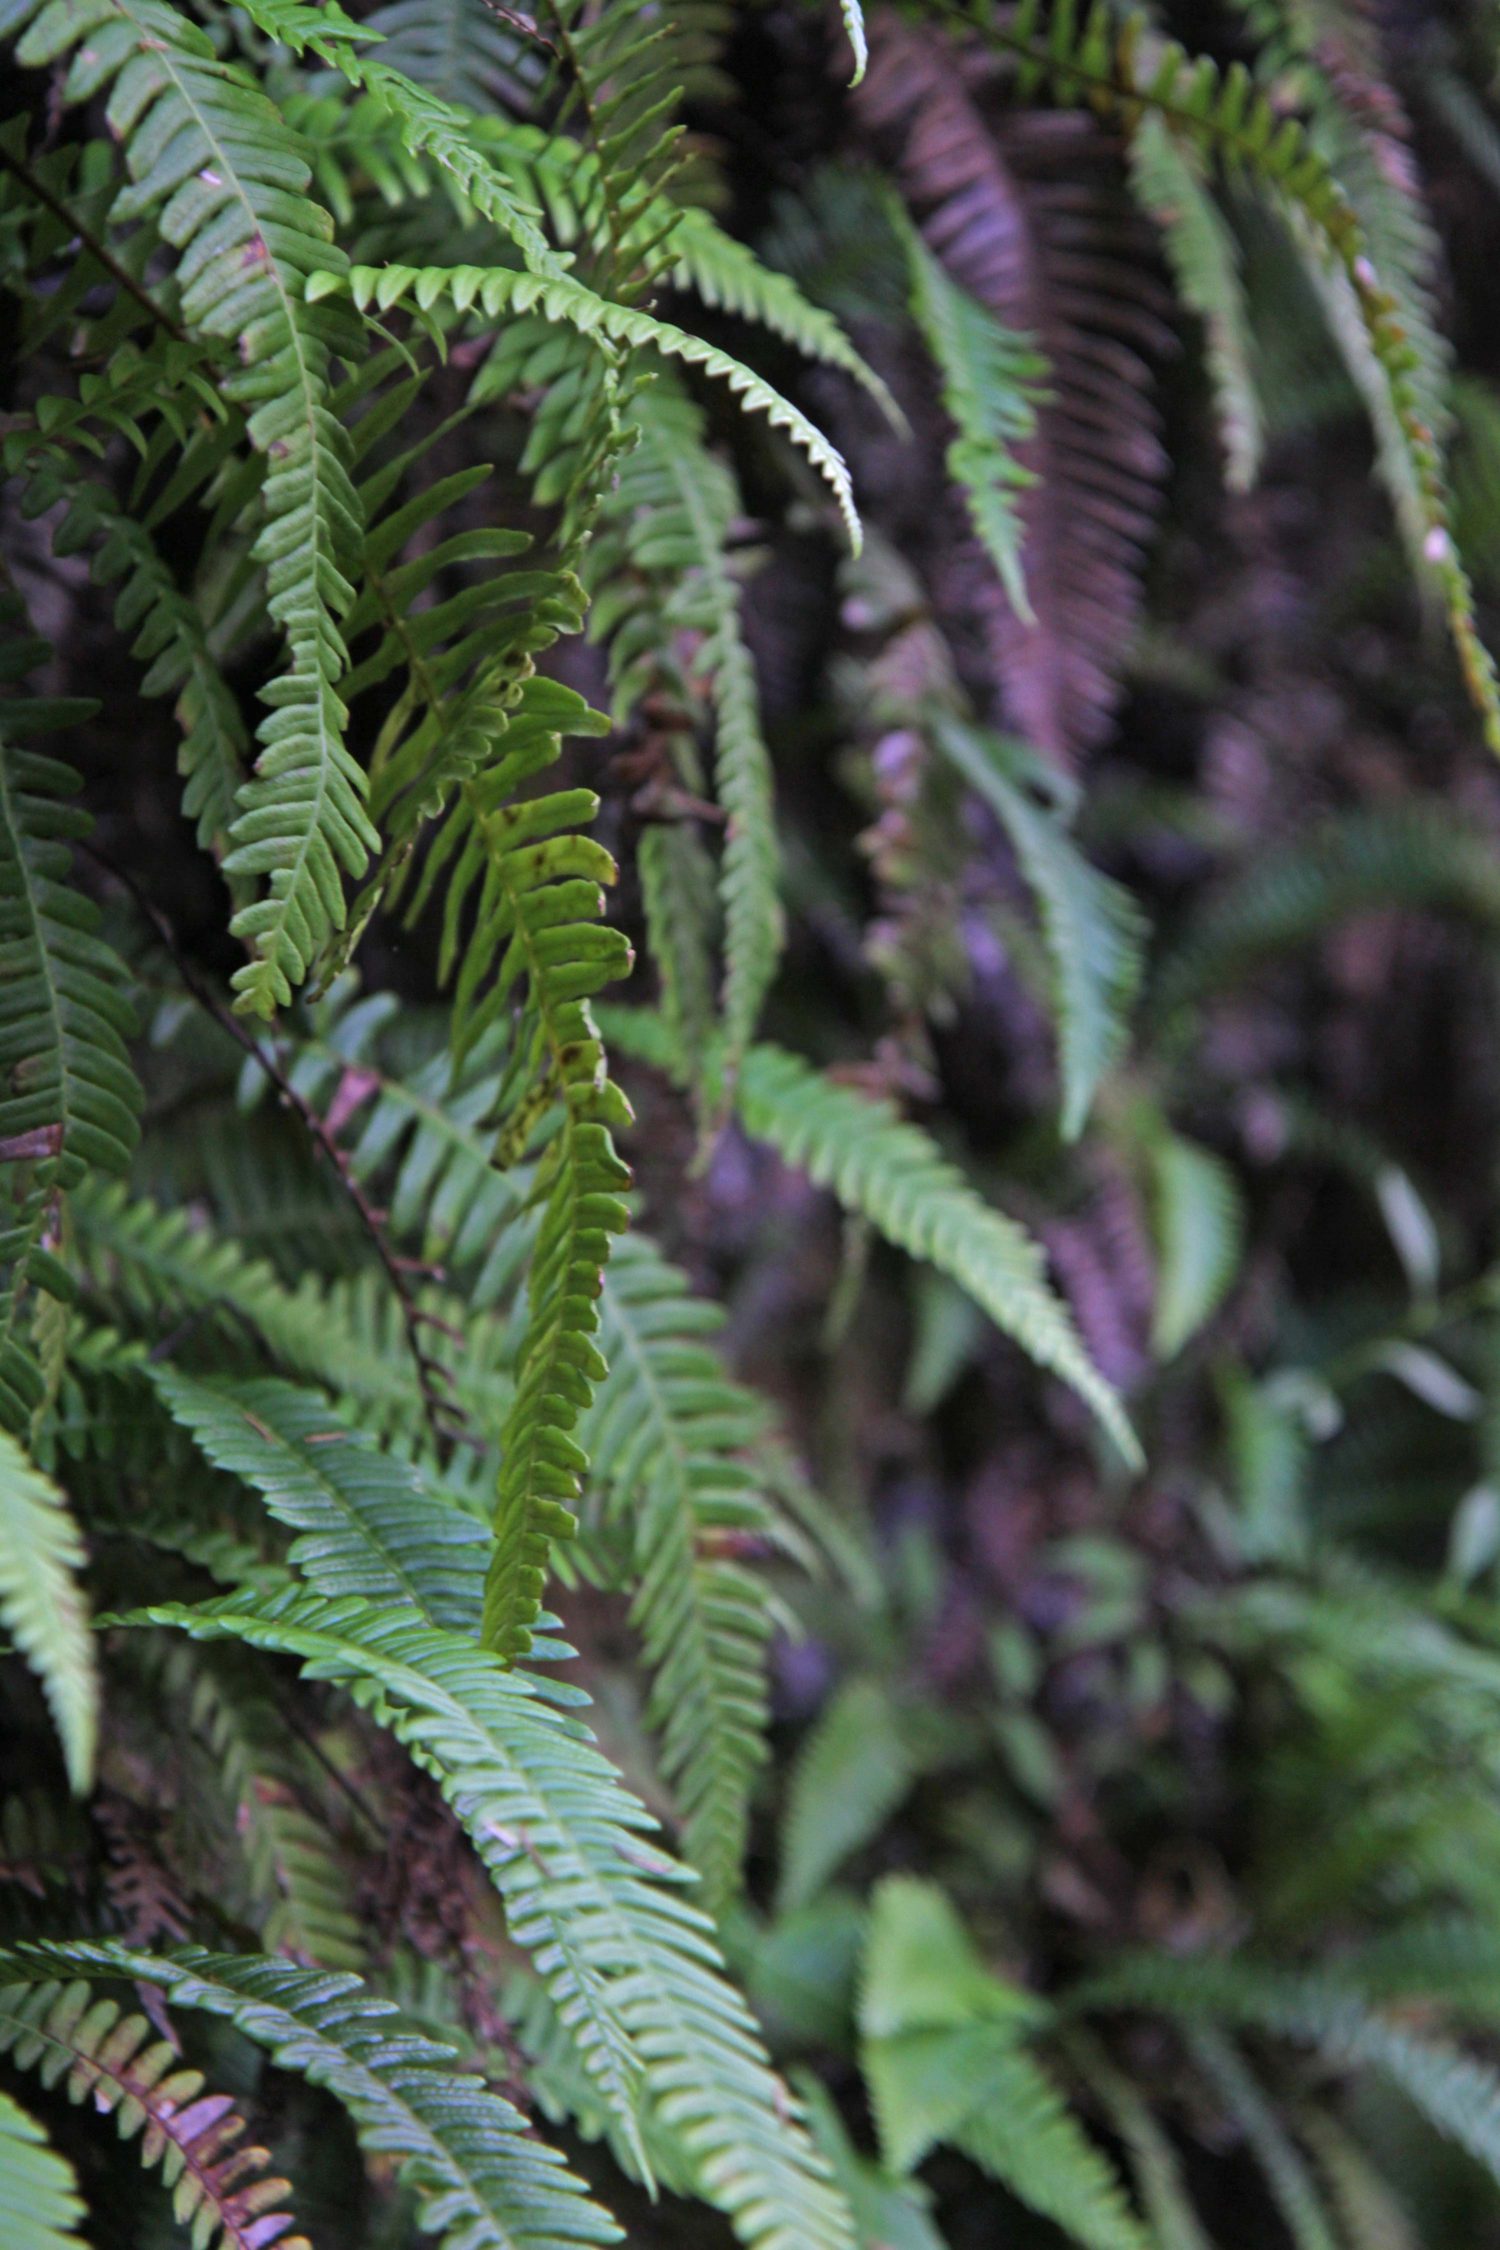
(891, 1173)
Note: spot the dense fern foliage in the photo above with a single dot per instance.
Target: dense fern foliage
(749, 956)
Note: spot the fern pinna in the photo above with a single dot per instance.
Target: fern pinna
(596, 1145)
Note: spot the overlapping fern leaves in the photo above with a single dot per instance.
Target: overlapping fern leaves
(224, 183)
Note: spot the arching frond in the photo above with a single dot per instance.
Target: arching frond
(892, 1174)
(630, 1964)
(118, 2064)
(484, 2180)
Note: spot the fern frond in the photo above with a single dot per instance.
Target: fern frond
(851, 1774)
(1123, 70)
(724, 273)
(677, 504)
(39, 2202)
(149, 1264)
(991, 381)
(1048, 260)
(68, 1096)
(944, 2055)
(669, 1436)
(367, 1527)
(1199, 1223)
(892, 1174)
(224, 182)
(1168, 182)
(1457, 2093)
(459, 50)
(485, 2182)
(1094, 931)
(538, 902)
(559, 298)
(170, 639)
(631, 1966)
(117, 2063)
(1416, 855)
(41, 1604)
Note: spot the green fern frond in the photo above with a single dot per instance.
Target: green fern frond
(991, 379)
(944, 2054)
(459, 50)
(224, 181)
(1417, 855)
(41, 1605)
(68, 1096)
(170, 639)
(1093, 929)
(891, 1173)
(851, 1773)
(154, 1267)
(1199, 1223)
(366, 1525)
(539, 899)
(484, 2180)
(631, 1965)
(39, 2202)
(678, 504)
(558, 297)
(1167, 178)
(1122, 68)
(724, 273)
(117, 2064)
(1457, 2093)
(670, 1435)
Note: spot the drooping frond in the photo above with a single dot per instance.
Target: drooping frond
(892, 1174)
(170, 638)
(670, 1437)
(68, 1095)
(39, 2201)
(991, 382)
(537, 940)
(631, 1965)
(1167, 177)
(1118, 66)
(41, 1605)
(1042, 255)
(224, 182)
(484, 2180)
(122, 2068)
(1094, 931)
